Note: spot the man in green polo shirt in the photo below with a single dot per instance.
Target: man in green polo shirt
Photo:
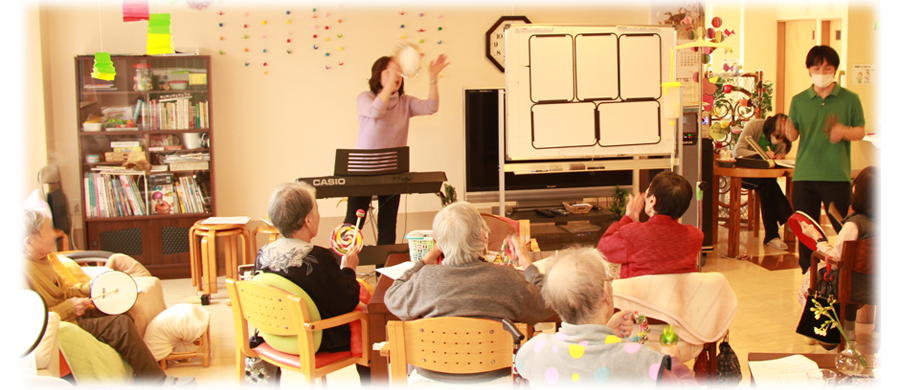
(826, 117)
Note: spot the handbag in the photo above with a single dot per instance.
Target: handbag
(728, 367)
(826, 289)
(258, 372)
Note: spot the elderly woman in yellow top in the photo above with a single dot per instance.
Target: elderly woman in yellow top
(72, 302)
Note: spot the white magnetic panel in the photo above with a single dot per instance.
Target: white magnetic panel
(639, 63)
(552, 71)
(560, 125)
(629, 123)
(596, 66)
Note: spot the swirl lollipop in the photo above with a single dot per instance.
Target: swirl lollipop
(345, 237)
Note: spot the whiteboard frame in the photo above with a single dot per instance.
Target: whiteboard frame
(519, 131)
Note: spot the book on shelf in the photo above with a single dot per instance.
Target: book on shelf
(112, 196)
(162, 194)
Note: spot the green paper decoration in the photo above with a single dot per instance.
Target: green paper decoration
(103, 67)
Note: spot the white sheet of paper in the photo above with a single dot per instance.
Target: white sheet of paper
(226, 220)
(781, 372)
(395, 271)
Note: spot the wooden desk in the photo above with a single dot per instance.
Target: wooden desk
(734, 208)
(824, 360)
(379, 315)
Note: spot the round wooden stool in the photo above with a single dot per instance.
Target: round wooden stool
(203, 257)
(265, 228)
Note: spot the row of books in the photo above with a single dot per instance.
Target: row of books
(173, 112)
(111, 195)
(189, 197)
(175, 196)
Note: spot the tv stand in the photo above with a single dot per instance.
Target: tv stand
(559, 232)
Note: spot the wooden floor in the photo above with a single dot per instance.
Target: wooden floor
(766, 287)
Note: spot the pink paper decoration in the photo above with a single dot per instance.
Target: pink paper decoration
(135, 10)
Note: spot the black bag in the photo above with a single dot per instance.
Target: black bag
(808, 322)
(728, 367)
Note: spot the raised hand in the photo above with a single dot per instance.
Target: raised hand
(436, 66)
(634, 206)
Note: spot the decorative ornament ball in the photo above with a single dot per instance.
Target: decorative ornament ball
(717, 22)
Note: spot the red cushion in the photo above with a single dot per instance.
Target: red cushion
(285, 359)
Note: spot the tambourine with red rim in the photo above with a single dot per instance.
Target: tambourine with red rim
(794, 223)
(114, 292)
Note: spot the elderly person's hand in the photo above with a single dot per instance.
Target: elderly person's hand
(621, 322)
(634, 206)
(434, 256)
(810, 231)
(351, 259)
(520, 251)
(81, 305)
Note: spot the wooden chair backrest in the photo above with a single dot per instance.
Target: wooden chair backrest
(455, 345)
(267, 309)
(500, 227)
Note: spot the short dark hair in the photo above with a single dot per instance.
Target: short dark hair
(864, 190)
(673, 194)
(823, 53)
(375, 81)
(769, 127)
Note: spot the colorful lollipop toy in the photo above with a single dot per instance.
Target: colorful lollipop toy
(348, 236)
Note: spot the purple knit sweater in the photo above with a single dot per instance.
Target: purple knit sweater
(387, 125)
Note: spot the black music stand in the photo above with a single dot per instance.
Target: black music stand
(370, 162)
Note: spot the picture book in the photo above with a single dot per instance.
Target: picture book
(162, 194)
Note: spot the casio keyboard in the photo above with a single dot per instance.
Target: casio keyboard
(369, 172)
(398, 183)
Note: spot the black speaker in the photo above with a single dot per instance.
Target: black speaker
(709, 193)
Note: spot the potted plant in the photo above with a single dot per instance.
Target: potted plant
(447, 195)
(616, 204)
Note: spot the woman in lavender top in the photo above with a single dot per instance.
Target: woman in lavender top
(384, 111)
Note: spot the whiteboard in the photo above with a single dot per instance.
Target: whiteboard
(597, 73)
(559, 125)
(552, 74)
(566, 87)
(629, 123)
(639, 57)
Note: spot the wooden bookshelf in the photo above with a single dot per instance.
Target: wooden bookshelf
(158, 240)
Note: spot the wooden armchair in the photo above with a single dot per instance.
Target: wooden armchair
(276, 312)
(856, 257)
(454, 345)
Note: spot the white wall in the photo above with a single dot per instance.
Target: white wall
(279, 126)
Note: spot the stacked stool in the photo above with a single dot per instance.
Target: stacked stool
(203, 254)
(265, 228)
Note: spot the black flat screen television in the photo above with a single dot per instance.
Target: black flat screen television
(483, 107)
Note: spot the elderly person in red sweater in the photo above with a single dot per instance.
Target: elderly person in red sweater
(662, 245)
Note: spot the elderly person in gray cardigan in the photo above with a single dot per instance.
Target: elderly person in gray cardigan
(589, 349)
(464, 284)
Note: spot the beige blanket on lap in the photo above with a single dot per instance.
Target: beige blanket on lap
(700, 306)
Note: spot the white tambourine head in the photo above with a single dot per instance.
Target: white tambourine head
(409, 57)
(118, 302)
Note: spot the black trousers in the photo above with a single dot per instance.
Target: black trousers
(809, 196)
(388, 205)
(774, 206)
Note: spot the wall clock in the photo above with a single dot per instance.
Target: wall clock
(495, 48)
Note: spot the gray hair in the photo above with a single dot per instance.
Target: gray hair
(289, 205)
(32, 221)
(577, 292)
(459, 231)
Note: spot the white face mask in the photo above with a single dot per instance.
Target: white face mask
(822, 80)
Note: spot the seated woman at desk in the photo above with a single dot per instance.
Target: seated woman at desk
(464, 284)
(774, 206)
(329, 282)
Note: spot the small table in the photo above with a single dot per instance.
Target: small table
(379, 315)
(734, 208)
(823, 360)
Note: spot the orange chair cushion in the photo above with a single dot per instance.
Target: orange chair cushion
(288, 360)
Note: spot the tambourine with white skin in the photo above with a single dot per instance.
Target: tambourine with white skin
(410, 59)
(114, 292)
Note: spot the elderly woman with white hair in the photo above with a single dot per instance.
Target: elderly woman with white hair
(589, 348)
(329, 282)
(464, 284)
